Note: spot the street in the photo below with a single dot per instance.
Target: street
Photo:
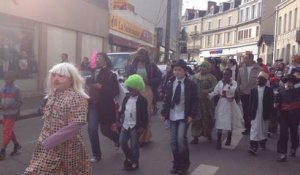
(156, 157)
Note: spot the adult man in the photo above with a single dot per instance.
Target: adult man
(248, 73)
(64, 58)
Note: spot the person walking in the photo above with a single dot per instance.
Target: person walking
(246, 80)
(260, 110)
(60, 148)
(180, 108)
(10, 103)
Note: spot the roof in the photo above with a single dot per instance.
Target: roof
(268, 39)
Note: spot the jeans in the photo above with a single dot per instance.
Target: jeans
(93, 125)
(289, 123)
(132, 154)
(179, 144)
(245, 104)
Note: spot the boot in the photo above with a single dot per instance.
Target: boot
(228, 140)
(219, 140)
(2, 154)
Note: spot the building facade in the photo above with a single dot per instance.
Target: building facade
(287, 42)
(34, 34)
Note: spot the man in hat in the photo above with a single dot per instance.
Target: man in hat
(260, 110)
(289, 107)
(180, 107)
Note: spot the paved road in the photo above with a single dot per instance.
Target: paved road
(156, 157)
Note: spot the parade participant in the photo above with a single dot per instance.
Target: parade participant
(227, 113)
(103, 87)
(289, 106)
(260, 110)
(203, 123)
(10, 103)
(273, 123)
(232, 64)
(64, 58)
(247, 76)
(262, 65)
(60, 147)
(134, 117)
(180, 107)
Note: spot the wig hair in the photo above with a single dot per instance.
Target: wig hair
(70, 71)
(205, 64)
(135, 81)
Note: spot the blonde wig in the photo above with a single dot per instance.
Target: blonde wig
(70, 71)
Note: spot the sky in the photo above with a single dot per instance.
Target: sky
(198, 4)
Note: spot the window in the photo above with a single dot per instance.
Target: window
(294, 50)
(218, 38)
(246, 34)
(240, 35)
(253, 12)
(295, 18)
(209, 25)
(257, 31)
(282, 53)
(279, 26)
(263, 48)
(228, 37)
(232, 4)
(229, 20)
(290, 21)
(284, 23)
(250, 33)
(219, 23)
(208, 40)
(247, 14)
(259, 10)
(277, 53)
(242, 16)
(195, 29)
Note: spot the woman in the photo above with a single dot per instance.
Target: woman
(227, 114)
(203, 124)
(103, 87)
(60, 147)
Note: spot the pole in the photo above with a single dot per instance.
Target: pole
(168, 25)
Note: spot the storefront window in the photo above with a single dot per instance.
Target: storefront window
(17, 50)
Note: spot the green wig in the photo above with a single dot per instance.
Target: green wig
(135, 81)
(205, 64)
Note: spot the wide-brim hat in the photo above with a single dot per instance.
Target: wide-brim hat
(181, 63)
(135, 81)
(288, 78)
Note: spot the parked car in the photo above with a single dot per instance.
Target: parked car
(119, 61)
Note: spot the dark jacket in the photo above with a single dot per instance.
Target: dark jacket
(268, 102)
(190, 97)
(103, 99)
(289, 100)
(141, 111)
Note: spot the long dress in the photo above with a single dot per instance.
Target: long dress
(228, 115)
(203, 124)
(259, 127)
(70, 157)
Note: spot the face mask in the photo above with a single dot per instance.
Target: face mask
(142, 72)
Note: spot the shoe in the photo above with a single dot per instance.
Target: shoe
(282, 158)
(182, 172)
(95, 159)
(174, 171)
(132, 167)
(194, 141)
(252, 151)
(117, 146)
(126, 164)
(2, 154)
(228, 140)
(292, 153)
(17, 147)
(245, 132)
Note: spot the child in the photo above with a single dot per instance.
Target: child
(288, 104)
(11, 101)
(134, 116)
(227, 114)
(180, 107)
(260, 110)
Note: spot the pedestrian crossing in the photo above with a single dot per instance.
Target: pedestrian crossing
(205, 170)
(235, 139)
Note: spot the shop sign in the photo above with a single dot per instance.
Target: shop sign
(119, 4)
(217, 51)
(121, 25)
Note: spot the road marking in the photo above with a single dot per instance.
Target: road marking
(235, 139)
(205, 170)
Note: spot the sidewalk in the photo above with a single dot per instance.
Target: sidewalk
(30, 107)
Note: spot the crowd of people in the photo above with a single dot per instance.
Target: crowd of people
(216, 94)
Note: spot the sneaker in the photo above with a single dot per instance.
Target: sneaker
(2, 154)
(252, 151)
(17, 147)
(132, 167)
(95, 159)
(282, 158)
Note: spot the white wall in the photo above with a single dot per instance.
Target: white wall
(89, 44)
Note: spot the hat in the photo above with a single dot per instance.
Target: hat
(290, 78)
(205, 64)
(263, 74)
(135, 81)
(181, 63)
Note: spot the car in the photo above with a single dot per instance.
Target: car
(119, 60)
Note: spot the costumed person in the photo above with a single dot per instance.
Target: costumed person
(289, 106)
(228, 115)
(246, 80)
(147, 92)
(103, 88)
(180, 108)
(60, 148)
(134, 119)
(260, 110)
(203, 123)
(10, 103)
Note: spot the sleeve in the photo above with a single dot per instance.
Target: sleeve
(62, 135)
(215, 91)
(194, 100)
(213, 82)
(18, 101)
(230, 91)
(167, 101)
(144, 113)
